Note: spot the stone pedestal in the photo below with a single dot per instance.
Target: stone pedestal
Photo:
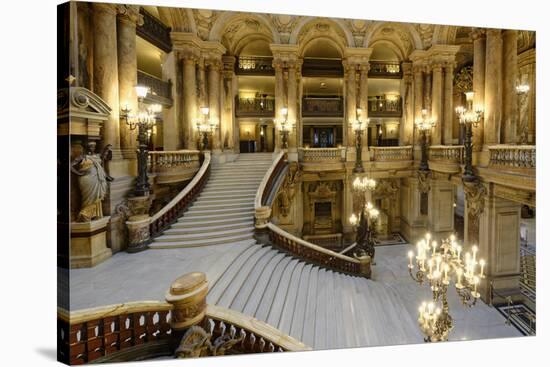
(138, 232)
(188, 296)
(89, 243)
(364, 267)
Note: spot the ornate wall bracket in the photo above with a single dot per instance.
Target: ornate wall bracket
(424, 178)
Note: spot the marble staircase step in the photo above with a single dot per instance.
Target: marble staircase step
(199, 217)
(208, 232)
(223, 198)
(285, 298)
(261, 309)
(196, 211)
(159, 243)
(175, 236)
(219, 206)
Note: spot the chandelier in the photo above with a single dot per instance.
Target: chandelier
(425, 123)
(362, 185)
(469, 115)
(439, 267)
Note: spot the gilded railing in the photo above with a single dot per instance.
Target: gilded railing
(259, 106)
(317, 254)
(183, 325)
(385, 69)
(513, 156)
(317, 106)
(322, 154)
(446, 153)
(388, 154)
(157, 87)
(175, 208)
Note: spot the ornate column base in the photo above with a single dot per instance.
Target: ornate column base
(89, 243)
(138, 233)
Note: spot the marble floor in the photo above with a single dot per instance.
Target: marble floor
(386, 305)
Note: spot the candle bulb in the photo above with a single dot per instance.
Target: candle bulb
(474, 251)
(411, 254)
(482, 265)
(458, 250)
(434, 247)
(459, 278)
(446, 269)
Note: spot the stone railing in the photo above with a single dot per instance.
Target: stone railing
(316, 254)
(160, 91)
(151, 329)
(390, 154)
(513, 156)
(173, 166)
(247, 107)
(385, 69)
(318, 107)
(446, 153)
(322, 154)
(331, 241)
(254, 65)
(154, 31)
(263, 211)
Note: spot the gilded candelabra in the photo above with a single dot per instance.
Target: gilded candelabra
(359, 127)
(469, 116)
(365, 223)
(284, 126)
(205, 126)
(440, 266)
(424, 124)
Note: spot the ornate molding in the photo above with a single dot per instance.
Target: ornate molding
(286, 193)
(464, 80)
(424, 178)
(475, 194)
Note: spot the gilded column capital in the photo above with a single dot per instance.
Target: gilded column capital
(214, 64)
(494, 33)
(437, 66)
(477, 33)
(129, 14)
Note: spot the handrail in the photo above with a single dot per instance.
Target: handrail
(398, 153)
(89, 314)
(317, 254)
(255, 326)
(350, 247)
(179, 203)
(322, 154)
(452, 153)
(268, 177)
(513, 156)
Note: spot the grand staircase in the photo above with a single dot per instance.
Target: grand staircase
(224, 210)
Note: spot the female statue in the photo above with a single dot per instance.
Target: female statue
(92, 182)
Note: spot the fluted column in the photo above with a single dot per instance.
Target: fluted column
(292, 106)
(201, 83)
(351, 103)
(214, 68)
(407, 122)
(509, 71)
(190, 99)
(228, 127)
(493, 87)
(106, 70)
(437, 83)
(127, 72)
(428, 88)
(418, 72)
(478, 37)
(364, 89)
(448, 113)
(279, 99)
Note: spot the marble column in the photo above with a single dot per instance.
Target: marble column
(428, 88)
(407, 122)
(509, 96)
(173, 133)
(499, 244)
(292, 107)
(279, 100)
(364, 103)
(127, 73)
(493, 87)
(190, 100)
(418, 71)
(201, 83)
(478, 37)
(449, 113)
(437, 115)
(351, 104)
(106, 70)
(228, 127)
(214, 68)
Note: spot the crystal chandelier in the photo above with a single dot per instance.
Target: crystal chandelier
(441, 266)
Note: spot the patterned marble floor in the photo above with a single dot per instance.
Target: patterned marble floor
(381, 311)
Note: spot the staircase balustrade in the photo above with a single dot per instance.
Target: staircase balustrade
(446, 153)
(389, 154)
(322, 154)
(173, 166)
(512, 156)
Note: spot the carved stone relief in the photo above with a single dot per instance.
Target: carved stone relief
(286, 193)
(475, 194)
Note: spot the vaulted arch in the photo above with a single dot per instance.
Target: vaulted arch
(310, 28)
(401, 35)
(229, 24)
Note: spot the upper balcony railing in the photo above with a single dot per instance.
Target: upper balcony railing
(154, 31)
(322, 107)
(385, 69)
(322, 154)
(173, 166)
(392, 154)
(160, 91)
(446, 153)
(254, 65)
(385, 107)
(255, 107)
(513, 156)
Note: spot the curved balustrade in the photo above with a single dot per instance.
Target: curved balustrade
(322, 154)
(446, 153)
(513, 156)
(175, 208)
(265, 187)
(173, 166)
(317, 254)
(142, 330)
(389, 154)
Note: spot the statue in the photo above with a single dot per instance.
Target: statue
(92, 181)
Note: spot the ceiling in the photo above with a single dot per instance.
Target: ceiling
(322, 49)
(383, 53)
(321, 86)
(264, 84)
(256, 48)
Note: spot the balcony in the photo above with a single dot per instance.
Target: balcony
(385, 107)
(171, 167)
(154, 31)
(160, 91)
(255, 107)
(254, 65)
(322, 159)
(515, 157)
(322, 107)
(391, 154)
(385, 69)
(446, 158)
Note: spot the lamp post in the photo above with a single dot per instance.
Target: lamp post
(284, 127)
(469, 116)
(205, 126)
(424, 124)
(144, 121)
(365, 233)
(358, 127)
(437, 266)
